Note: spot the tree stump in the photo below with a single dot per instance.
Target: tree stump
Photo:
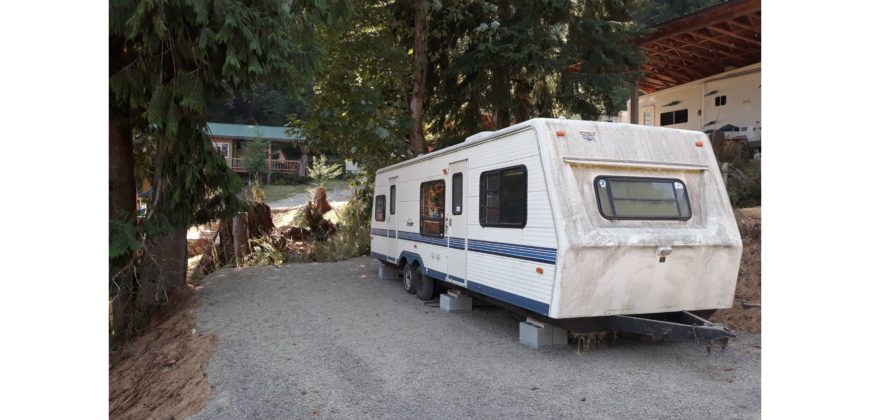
(240, 237)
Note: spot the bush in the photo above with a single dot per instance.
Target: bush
(743, 182)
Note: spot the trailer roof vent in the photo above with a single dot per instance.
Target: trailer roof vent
(479, 135)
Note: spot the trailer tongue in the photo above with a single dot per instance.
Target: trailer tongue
(681, 325)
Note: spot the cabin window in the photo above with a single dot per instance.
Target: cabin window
(223, 149)
(503, 197)
(674, 117)
(625, 198)
(721, 100)
(432, 195)
(380, 208)
(456, 201)
(392, 199)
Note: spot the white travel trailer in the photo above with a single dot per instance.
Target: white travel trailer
(564, 219)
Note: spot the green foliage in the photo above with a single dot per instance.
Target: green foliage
(359, 108)
(264, 104)
(351, 238)
(258, 193)
(495, 63)
(743, 182)
(279, 178)
(321, 171)
(255, 156)
(653, 12)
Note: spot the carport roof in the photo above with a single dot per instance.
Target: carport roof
(252, 132)
(701, 44)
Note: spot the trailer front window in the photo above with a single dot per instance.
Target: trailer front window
(628, 198)
(432, 208)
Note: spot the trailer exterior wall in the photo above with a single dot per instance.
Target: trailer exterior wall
(569, 261)
(501, 262)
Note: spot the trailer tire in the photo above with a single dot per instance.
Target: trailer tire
(410, 278)
(426, 288)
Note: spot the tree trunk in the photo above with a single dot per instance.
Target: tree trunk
(523, 99)
(240, 238)
(164, 268)
(418, 141)
(122, 183)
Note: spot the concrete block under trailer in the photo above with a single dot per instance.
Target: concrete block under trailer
(589, 225)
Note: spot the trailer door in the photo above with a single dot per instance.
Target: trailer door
(392, 218)
(456, 220)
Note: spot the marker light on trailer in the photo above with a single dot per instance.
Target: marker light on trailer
(699, 143)
(560, 133)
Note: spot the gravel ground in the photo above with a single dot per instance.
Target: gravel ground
(332, 340)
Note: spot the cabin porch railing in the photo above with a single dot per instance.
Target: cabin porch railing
(280, 166)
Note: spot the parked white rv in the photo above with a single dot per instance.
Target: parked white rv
(564, 219)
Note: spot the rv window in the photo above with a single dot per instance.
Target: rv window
(432, 208)
(380, 207)
(721, 100)
(392, 199)
(674, 117)
(503, 197)
(457, 194)
(623, 198)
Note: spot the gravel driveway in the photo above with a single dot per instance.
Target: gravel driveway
(332, 340)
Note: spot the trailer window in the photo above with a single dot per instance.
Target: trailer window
(457, 194)
(432, 208)
(625, 198)
(503, 197)
(674, 117)
(380, 207)
(392, 199)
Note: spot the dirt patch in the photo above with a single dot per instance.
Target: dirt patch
(162, 373)
(741, 317)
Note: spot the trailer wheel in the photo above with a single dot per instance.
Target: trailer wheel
(426, 288)
(410, 278)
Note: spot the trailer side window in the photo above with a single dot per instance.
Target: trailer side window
(628, 198)
(392, 199)
(456, 202)
(503, 197)
(432, 195)
(380, 208)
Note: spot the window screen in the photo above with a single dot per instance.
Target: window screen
(392, 199)
(380, 208)
(432, 208)
(456, 202)
(642, 198)
(503, 197)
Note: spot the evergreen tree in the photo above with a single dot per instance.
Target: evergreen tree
(167, 60)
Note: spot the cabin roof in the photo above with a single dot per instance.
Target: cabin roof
(701, 44)
(253, 132)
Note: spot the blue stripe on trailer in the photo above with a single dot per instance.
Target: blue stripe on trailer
(389, 233)
(381, 257)
(436, 274)
(516, 300)
(457, 243)
(525, 252)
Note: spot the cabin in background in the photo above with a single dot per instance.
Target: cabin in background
(703, 73)
(288, 153)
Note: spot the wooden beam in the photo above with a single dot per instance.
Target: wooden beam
(740, 24)
(664, 62)
(704, 18)
(734, 35)
(682, 77)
